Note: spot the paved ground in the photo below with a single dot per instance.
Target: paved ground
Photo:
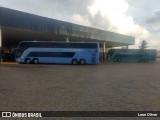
(104, 87)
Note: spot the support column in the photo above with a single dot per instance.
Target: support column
(0, 45)
(67, 39)
(104, 51)
(0, 37)
(126, 46)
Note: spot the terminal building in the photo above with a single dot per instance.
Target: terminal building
(17, 26)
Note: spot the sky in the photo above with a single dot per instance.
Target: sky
(137, 18)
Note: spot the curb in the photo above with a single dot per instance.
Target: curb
(9, 63)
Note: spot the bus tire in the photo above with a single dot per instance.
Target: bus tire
(74, 62)
(35, 61)
(82, 61)
(119, 60)
(27, 60)
(115, 60)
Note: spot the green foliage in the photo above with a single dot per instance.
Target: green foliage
(143, 45)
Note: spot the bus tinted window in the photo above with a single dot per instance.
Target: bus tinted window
(51, 54)
(128, 55)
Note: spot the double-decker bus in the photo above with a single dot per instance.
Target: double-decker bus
(140, 55)
(57, 52)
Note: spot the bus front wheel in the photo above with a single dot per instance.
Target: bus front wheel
(74, 61)
(35, 61)
(82, 62)
(27, 61)
(115, 60)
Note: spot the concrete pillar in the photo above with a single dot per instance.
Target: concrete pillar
(104, 51)
(127, 46)
(0, 45)
(67, 39)
(0, 37)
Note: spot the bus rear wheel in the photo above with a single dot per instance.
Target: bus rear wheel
(35, 61)
(119, 60)
(74, 62)
(27, 61)
(82, 62)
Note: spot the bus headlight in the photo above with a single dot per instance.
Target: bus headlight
(22, 57)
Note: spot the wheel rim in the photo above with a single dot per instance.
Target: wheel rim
(28, 61)
(82, 62)
(74, 62)
(36, 61)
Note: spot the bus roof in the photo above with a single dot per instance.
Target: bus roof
(58, 42)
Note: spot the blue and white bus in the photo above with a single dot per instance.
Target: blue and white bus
(57, 52)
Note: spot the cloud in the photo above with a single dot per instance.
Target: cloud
(112, 17)
(155, 17)
(82, 20)
(154, 41)
(153, 20)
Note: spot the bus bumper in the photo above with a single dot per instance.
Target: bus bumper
(20, 60)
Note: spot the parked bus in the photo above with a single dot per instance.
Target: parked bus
(132, 55)
(57, 52)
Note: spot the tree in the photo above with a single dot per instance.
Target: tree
(143, 45)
